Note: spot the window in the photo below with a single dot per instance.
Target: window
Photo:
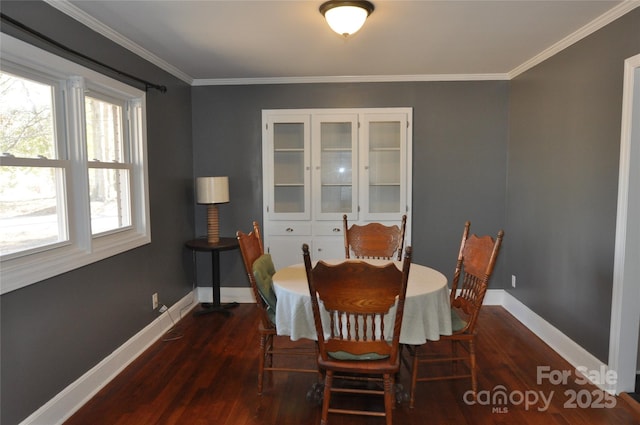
(32, 205)
(109, 171)
(73, 173)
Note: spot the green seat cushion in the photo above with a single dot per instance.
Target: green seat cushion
(343, 355)
(457, 322)
(263, 271)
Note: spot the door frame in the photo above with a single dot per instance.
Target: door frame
(625, 315)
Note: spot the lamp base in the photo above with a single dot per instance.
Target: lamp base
(213, 224)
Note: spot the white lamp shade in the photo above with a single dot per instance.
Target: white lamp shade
(212, 190)
(346, 20)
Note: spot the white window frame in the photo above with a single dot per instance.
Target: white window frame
(25, 268)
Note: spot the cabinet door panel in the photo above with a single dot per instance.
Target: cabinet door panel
(384, 171)
(287, 250)
(286, 149)
(335, 177)
(328, 248)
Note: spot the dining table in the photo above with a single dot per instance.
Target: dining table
(427, 313)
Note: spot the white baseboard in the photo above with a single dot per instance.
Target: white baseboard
(227, 295)
(573, 353)
(63, 405)
(69, 400)
(494, 297)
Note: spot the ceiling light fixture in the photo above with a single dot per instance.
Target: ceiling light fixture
(346, 17)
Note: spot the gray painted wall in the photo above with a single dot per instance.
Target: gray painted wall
(557, 200)
(564, 147)
(459, 156)
(54, 331)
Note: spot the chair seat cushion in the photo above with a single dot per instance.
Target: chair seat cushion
(263, 271)
(343, 355)
(373, 366)
(457, 322)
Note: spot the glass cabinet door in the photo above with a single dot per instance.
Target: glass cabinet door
(335, 166)
(383, 166)
(290, 192)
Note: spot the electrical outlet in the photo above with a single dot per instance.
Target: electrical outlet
(513, 280)
(163, 308)
(154, 300)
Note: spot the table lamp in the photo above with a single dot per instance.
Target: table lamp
(212, 191)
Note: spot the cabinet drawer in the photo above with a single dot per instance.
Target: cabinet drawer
(328, 229)
(290, 229)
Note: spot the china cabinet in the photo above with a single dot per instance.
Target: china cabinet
(319, 164)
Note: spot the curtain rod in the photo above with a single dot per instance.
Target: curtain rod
(147, 84)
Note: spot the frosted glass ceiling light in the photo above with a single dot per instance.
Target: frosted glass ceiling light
(346, 17)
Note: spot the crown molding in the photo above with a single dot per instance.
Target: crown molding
(69, 9)
(349, 79)
(611, 15)
(604, 19)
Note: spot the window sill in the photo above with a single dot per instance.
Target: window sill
(23, 271)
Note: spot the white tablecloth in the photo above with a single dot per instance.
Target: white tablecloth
(426, 316)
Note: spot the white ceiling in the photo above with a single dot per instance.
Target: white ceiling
(218, 41)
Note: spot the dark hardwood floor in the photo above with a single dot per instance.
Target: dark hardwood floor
(209, 376)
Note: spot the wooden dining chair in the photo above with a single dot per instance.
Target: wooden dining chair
(374, 240)
(349, 302)
(260, 269)
(476, 259)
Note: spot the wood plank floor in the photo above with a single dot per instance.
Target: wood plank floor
(209, 376)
